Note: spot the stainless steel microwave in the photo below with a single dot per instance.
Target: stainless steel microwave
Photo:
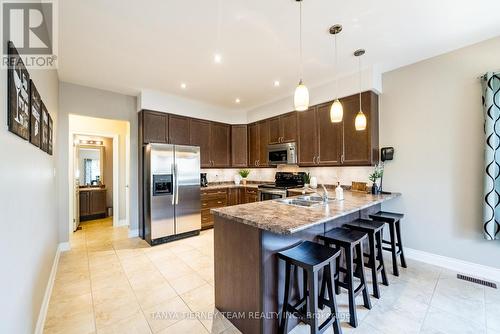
(282, 154)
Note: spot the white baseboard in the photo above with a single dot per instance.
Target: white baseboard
(122, 222)
(62, 247)
(133, 233)
(464, 267)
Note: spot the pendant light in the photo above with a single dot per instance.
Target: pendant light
(301, 97)
(360, 121)
(336, 110)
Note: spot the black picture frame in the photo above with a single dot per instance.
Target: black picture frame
(44, 145)
(18, 97)
(35, 115)
(51, 136)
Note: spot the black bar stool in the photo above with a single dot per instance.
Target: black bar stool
(311, 257)
(375, 230)
(396, 244)
(351, 242)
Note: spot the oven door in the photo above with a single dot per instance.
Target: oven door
(270, 194)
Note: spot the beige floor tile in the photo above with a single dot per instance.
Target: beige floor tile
(75, 315)
(191, 326)
(166, 314)
(135, 324)
(149, 278)
(186, 283)
(149, 296)
(174, 269)
(113, 311)
(199, 298)
(439, 321)
(68, 290)
(212, 319)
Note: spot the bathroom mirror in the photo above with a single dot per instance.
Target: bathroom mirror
(91, 165)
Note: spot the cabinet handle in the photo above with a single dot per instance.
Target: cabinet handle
(314, 160)
(317, 160)
(219, 202)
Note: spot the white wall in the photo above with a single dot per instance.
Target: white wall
(158, 101)
(28, 204)
(85, 101)
(431, 113)
(349, 85)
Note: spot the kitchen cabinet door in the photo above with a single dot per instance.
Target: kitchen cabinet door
(200, 136)
(264, 140)
(253, 144)
(275, 131)
(84, 203)
(155, 127)
(329, 137)
(288, 127)
(233, 196)
(98, 202)
(239, 146)
(360, 147)
(308, 139)
(178, 129)
(220, 144)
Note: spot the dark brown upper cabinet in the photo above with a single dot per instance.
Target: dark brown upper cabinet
(263, 142)
(200, 136)
(220, 144)
(322, 143)
(239, 146)
(253, 144)
(329, 137)
(178, 130)
(283, 129)
(154, 127)
(308, 137)
(361, 147)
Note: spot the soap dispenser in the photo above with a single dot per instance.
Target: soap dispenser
(339, 193)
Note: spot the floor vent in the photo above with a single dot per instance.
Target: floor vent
(477, 281)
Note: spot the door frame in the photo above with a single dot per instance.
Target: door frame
(116, 177)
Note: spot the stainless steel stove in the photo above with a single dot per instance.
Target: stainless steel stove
(279, 189)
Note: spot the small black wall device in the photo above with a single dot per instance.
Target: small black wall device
(387, 153)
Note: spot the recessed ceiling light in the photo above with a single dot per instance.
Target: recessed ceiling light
(276, 83)
(217, 58)
(183, 85)
(237, 100)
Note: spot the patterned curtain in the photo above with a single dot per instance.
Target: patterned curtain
(491, 204)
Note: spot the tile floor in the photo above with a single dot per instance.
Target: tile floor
(109, 283)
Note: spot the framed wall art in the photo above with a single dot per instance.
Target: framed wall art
(35, 115)
(18, 87)
(44, 145)
(51, 136)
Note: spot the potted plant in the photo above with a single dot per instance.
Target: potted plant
(377, 174)
(244, 174)
(306, 177)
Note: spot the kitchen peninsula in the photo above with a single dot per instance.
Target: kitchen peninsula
(248, 281)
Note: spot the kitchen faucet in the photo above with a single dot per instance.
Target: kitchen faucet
(325, 194)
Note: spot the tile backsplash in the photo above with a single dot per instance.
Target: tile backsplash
(326, 175)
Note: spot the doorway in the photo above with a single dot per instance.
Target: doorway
(98, 172)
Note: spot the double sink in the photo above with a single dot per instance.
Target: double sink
(306, 201)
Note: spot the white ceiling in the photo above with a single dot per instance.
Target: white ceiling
(129, 45)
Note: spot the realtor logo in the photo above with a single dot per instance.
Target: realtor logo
(31, 27)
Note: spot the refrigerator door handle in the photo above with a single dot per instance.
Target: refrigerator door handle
(176, 186)
(174, 182)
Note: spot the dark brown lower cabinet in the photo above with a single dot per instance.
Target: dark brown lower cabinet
(251, 195)
(92, 204)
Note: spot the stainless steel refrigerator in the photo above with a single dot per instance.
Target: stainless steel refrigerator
(172, 199)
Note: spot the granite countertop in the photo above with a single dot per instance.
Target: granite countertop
(230, 185)
(282, 218)
(91, 188)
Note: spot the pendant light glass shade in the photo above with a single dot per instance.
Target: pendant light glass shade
(336, 112)
(360, 121)
(301, 97)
